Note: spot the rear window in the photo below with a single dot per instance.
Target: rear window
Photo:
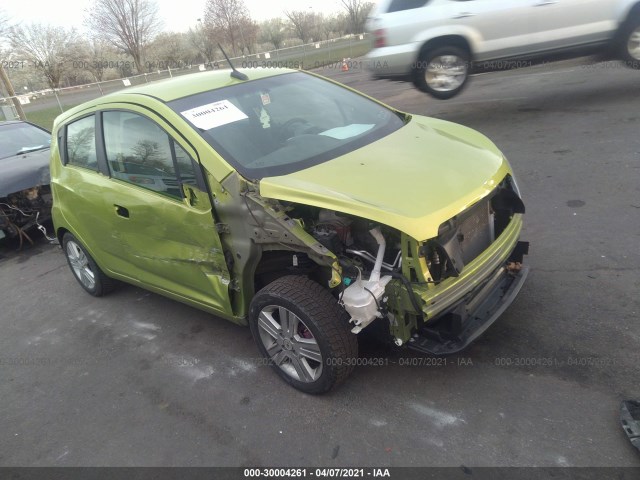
(400, 5)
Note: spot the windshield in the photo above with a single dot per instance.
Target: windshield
(18, 138)
(282, 124)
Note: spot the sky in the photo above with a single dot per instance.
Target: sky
(177, 15)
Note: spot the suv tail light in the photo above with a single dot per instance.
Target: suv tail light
(380, 39)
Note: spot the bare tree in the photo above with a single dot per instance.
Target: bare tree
(129, 25)
(340, 24)
(227, 17)
(100, 54)
(302, 24)
(171, 50)
(205, 39)
(273, 31)
(357, 11)
(249, 34)
(327, 27)
(96, 56)
(79, 145)
(148, 153)
(50, 49)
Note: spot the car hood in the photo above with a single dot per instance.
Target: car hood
(24, 171)
(413, 179)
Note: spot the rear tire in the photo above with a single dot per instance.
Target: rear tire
(303, 333)
(442, 72)
(85, 269)
(630, 44)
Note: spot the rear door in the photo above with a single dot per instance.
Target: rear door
(496, 28)
(563, 24)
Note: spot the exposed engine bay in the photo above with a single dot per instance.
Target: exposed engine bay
(24, 210)
(370, 254)
(364, 256)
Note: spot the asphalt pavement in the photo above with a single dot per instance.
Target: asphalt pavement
(135, 379)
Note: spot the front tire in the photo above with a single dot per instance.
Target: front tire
(85, 269)
(442, 72)
(303, 333)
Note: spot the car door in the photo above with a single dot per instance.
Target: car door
(497, 28)
(163, 232)
(563, 24)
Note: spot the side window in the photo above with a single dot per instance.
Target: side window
(81, 143)
(185, 166)
(139, 152)
(401, 5)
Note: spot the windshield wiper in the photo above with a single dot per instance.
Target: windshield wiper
(32, 149)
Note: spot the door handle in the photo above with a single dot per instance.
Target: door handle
(545, 3)
(121, 211)
(464, 15)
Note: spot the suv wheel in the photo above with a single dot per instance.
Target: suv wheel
(303, 333)
(85, 269)
(631, 44)
(442, 72)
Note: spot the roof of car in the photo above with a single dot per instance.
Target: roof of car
(178, 87)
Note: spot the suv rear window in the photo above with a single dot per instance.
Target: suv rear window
(400, 5)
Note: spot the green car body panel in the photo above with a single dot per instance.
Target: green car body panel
(203, 249)
(390, 181)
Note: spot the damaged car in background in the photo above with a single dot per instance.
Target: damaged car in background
(25, 194)
(292, 204)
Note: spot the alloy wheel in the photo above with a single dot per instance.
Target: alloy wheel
(290, 344)
(80, 265)
(446, 73)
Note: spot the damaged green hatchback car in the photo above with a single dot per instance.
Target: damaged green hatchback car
(295, 205)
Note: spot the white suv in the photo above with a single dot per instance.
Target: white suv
(436, 42)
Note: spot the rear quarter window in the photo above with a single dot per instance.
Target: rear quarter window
(81, 143)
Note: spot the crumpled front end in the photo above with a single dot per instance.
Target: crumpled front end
(462, 280)
(436, 295)
(23, 210)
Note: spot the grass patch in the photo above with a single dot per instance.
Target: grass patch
(46, 116)
(310, 57)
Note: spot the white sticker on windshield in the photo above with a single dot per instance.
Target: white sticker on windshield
(348, 131)
(214, 115)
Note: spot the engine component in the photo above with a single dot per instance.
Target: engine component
(397, 263)
(332, 231)
(363, 299)
(328, 238)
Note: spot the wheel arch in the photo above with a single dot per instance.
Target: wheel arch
(455, 40)
(60, 234)
(633, 13)
(630, 19)
(275, 264)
